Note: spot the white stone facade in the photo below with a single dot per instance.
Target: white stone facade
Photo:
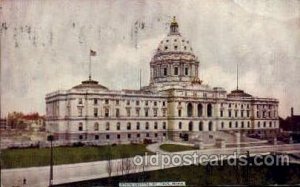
(175, 105)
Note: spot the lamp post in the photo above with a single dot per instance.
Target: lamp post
(51, 138)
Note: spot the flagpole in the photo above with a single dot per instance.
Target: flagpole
(90, 72)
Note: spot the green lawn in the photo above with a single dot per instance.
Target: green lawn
(176, 148)
(15, 158)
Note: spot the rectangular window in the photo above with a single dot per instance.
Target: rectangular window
(80, 127)
(186, 71)
(229, 113)
(155, 112)
(106, 101)
(106, 113)
(129, 136)
(95, 112)
(179, 113)
(128, 126)
(128, 112)
(118, 126)
(128, 102)
(95, 101)
(146, 103)
(138, 126)
(147, 126)
(155, 125)
(164, 125)
(176, 71)
(146, 113)
(117, 112)
(155, 103)
(137, 111)
(80, 101)
(107, 126)
(137, 103)
(118, 136)
(221, 113)
(80, 112)
(165, 72)
(117, 102)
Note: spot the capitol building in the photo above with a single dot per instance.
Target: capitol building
(176, 105)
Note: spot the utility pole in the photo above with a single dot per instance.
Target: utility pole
(51, 138)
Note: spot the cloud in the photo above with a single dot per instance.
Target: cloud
(46, 45)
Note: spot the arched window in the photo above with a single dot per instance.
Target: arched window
(200, 126)
(209, 110)
(200, 110)
(96, 126)
(210, 126)
(190, 126)
(230, 124)
(190, 110)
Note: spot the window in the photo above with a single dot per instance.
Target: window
(222, 125)
(146, 103)
(146, 113)
(155, 125)
(179, 113)
(80, 127)
(96, 137)
(164, 125)
(128, 126)
(242, 125)
(129, 136)
(107, 136)
(176, 71)
(248, 113)
(209, 110)
(117, 102)
(117, 112)
(229, 113)
(155, 135)
(200, 126)
(190, 110)
(258, 124)
(138, 135)
(106, 101)
(80, 112)
(137, 126)
(155, 103)
(200, 110)
(210, 126)
(166, 47)
(80, 137)
(128, 112)
(96, 126)
(106, 111)
(164, 113)
(180, 125)
(186, 71)
(221, 113)
(147, 126)
(270, 124)
(107, 126)
(128, 102)
(242, 113)
(118, 126)
(95, 112)
(118, 136)
(137, 111)
(236, 124)
(164, 103)
(175, 47)
(155, 112)
(236, 113)
(265, 124)
(80, 101)
(165, 71)
(95, 101)
(137, 103)
(248, 124)
(230, 124)
(147, 135)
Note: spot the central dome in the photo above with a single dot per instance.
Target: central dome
(174, 60)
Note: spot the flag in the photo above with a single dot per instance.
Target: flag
(93, 53)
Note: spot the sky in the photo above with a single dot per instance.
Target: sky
(45, 45)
